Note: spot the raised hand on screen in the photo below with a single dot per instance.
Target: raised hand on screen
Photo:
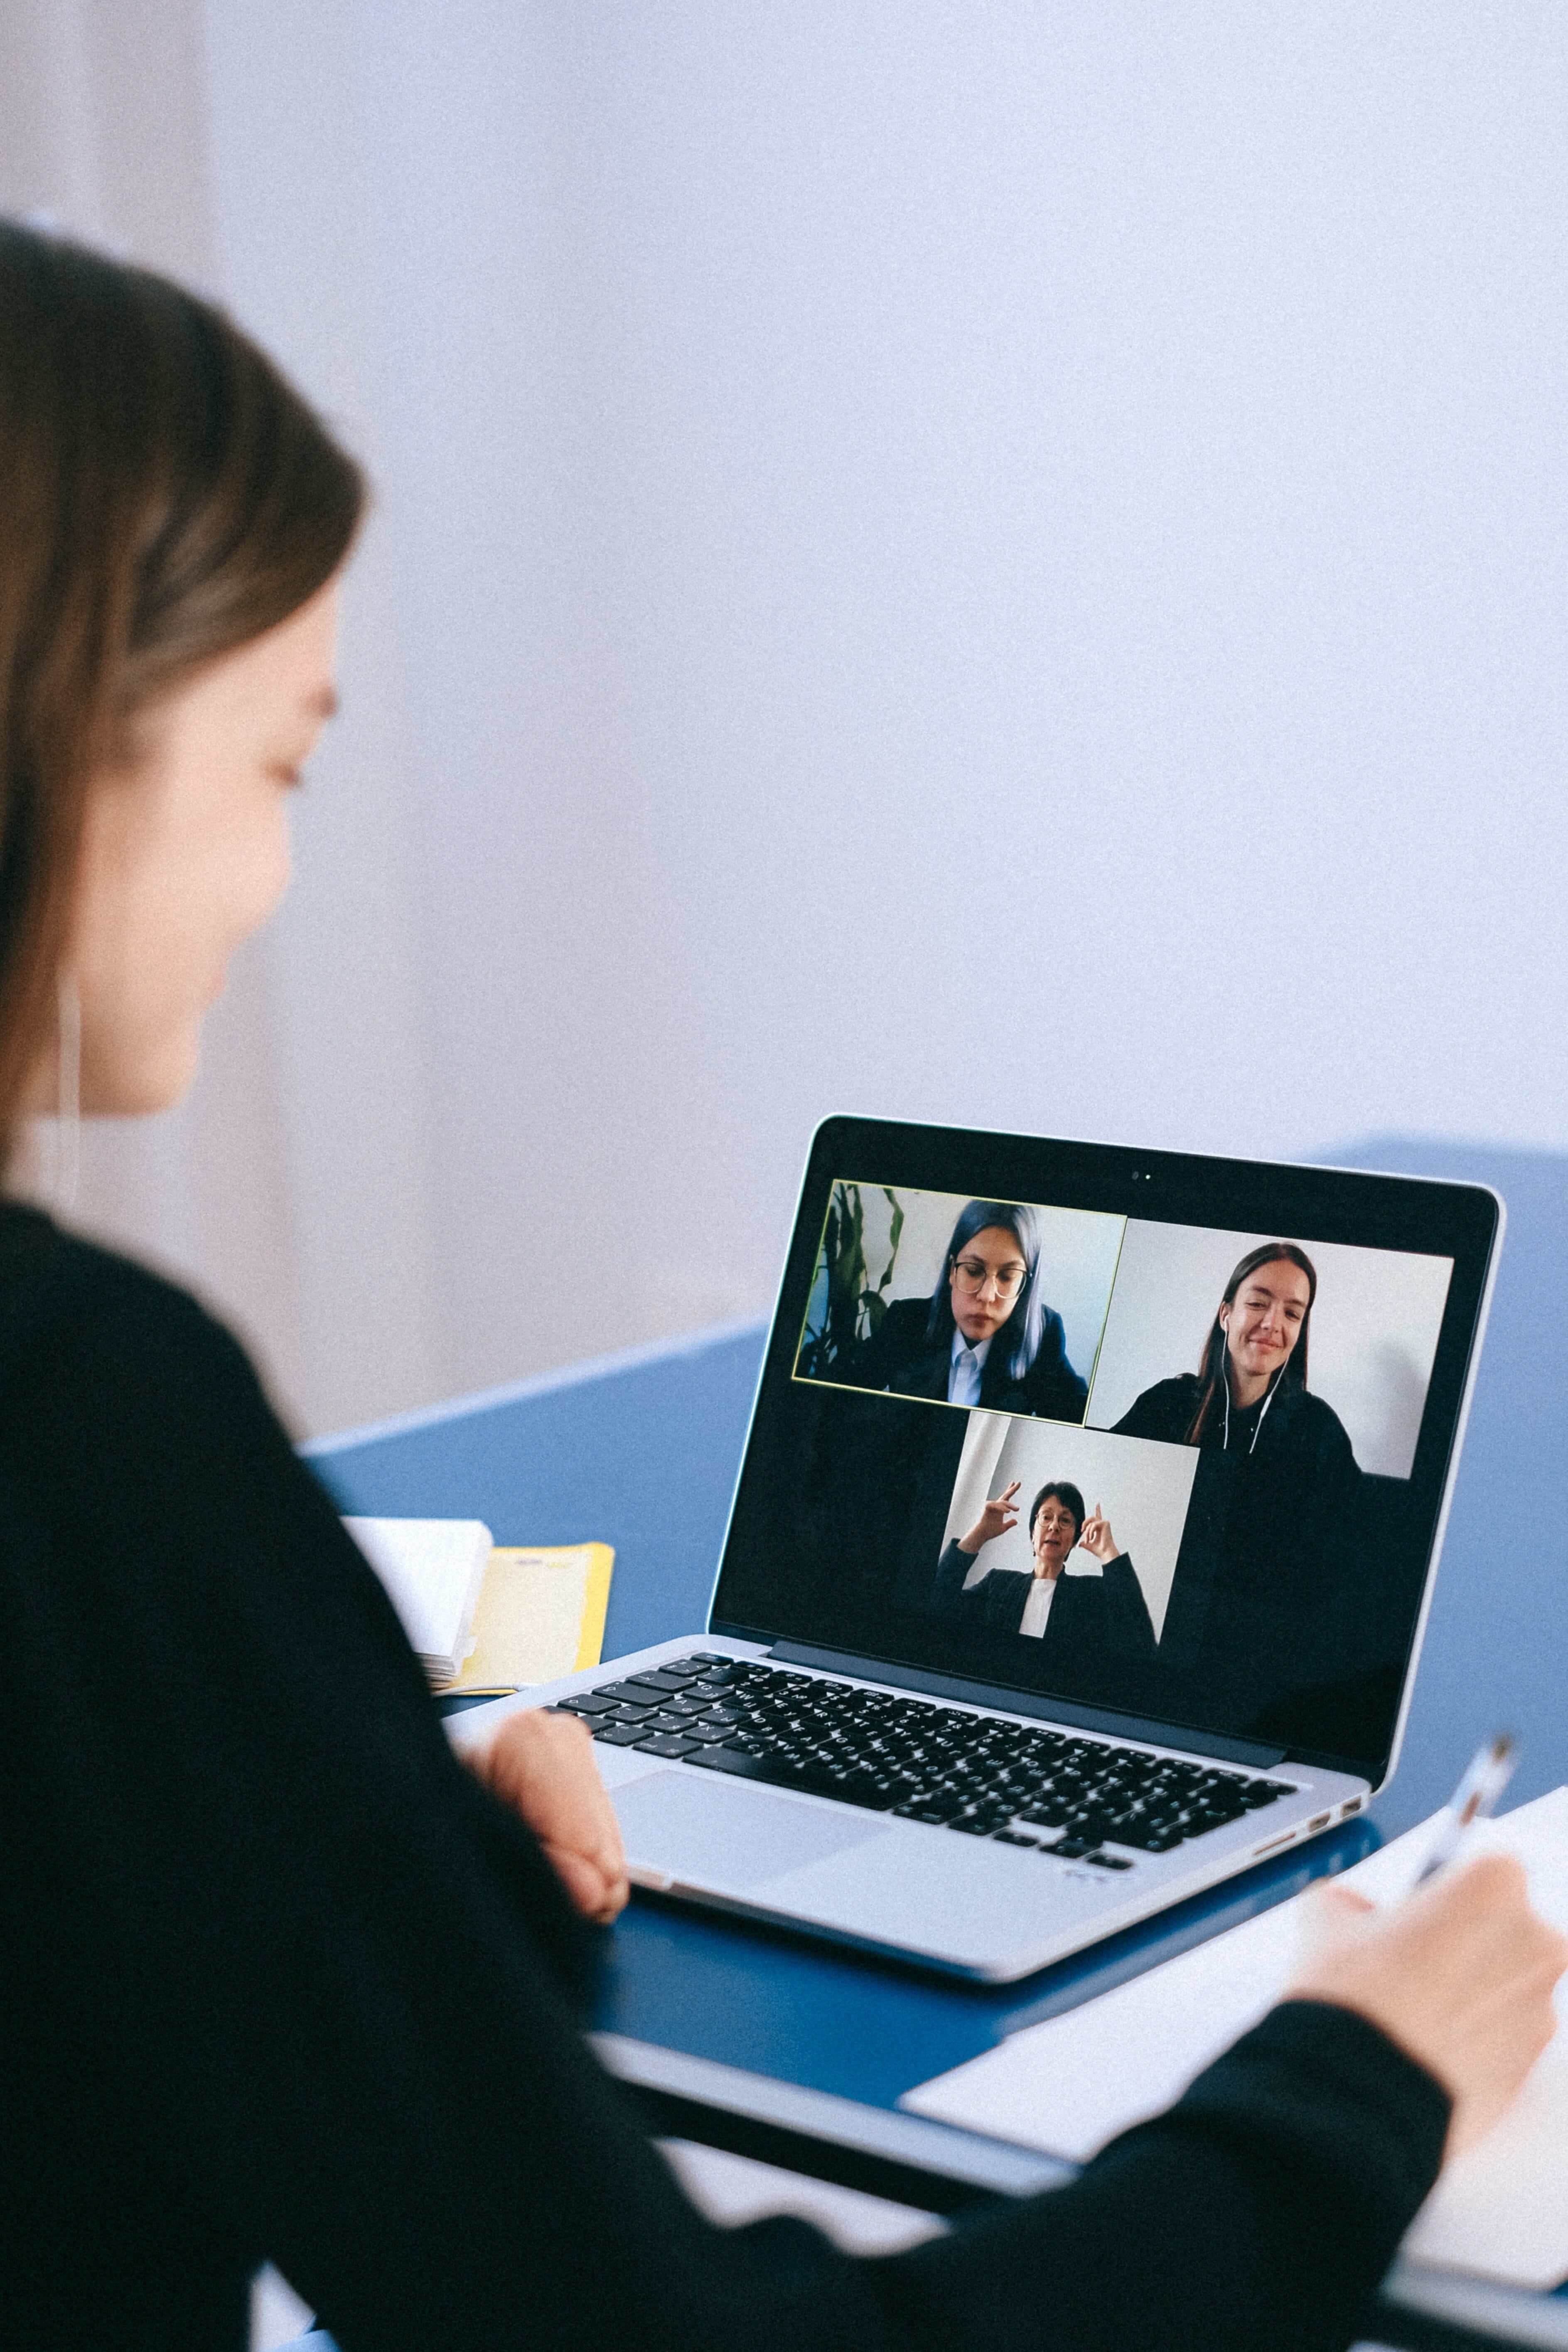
(1097, 1537)
(1000, 1514)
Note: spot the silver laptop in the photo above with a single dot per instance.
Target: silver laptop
(1081, 1546)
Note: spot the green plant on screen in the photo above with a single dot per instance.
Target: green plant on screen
(847, 1307)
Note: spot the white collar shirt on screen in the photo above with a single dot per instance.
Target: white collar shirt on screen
(1037, 1607)
(964, 1370)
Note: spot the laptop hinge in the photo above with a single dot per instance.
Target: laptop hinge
(1054, 1710)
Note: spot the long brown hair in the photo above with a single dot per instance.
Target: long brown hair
(1211, 1368)
(164, 497)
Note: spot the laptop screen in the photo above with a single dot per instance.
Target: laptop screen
(1164, 1437)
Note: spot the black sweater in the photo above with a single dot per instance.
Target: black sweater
(281, 1981)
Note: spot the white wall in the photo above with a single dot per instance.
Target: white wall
(993, 563)
(1371, 1344)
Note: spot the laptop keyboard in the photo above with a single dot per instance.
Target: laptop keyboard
(916, 1758)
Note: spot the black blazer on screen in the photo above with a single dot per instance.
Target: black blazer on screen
(901, 1358)
(1094, 1620)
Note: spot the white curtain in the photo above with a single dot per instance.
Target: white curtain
(289, 1189)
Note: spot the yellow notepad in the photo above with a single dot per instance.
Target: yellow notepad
(540, 1614)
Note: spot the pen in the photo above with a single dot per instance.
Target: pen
(1485, 1777)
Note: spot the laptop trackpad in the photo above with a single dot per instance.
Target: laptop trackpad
(712, 1831)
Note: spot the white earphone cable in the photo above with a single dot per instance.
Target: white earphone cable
(1252, 1443)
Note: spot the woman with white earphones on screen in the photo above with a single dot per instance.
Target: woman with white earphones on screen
(1253, 1375)
(1279, 1491)
(282, 1978)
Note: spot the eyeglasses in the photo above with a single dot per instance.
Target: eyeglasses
(973, 1274)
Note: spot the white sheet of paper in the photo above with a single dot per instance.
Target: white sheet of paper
(1070, 2085)
(432, 1569)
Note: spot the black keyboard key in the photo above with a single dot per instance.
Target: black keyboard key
(1147, 1837)
(632, 1693)
(619, 1735)
(1072, 1849)
(660, 1682)
(1256, 1794)
(728, 1759)
(1012, 1837)
(667, 1744)
(808, 1778)
(1108, 1861)
(588, 1703)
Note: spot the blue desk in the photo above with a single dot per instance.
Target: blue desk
(767, 2043)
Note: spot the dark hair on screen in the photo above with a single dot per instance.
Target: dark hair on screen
(1212, 1374)
(1018, 1338)
(166, 497)
(1065, 1492)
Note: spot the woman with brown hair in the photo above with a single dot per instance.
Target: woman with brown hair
(281, 1979)
(1253, 1370)
(1280, 1489)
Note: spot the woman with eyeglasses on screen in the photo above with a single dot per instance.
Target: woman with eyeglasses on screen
(282, 1978)
(986, 1335)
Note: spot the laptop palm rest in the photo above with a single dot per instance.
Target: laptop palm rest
(714, 1833)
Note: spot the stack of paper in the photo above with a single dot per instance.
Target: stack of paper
(432, 1569)
(1069, 2084)
(540, 1613)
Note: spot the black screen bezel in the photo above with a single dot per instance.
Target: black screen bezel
(1361, 1208)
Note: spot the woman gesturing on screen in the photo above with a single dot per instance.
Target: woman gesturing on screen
(282, 1979)
(1081, 1621)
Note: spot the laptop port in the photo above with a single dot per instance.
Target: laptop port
(1319, 1820)
(1352, 1805)
(1272, 1843)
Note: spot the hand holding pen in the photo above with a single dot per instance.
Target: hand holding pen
(1485, 1777)
(1460, 1974)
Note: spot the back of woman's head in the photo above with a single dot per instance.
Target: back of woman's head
(164, 497)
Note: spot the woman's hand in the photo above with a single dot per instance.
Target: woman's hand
(1096, 1537)
(542, 1764)
(1000, 1514)
(1461, 1975)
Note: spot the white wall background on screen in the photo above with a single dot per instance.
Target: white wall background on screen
(1077, 1258)
(998, 565)
(1143, 1487)
(1372, 1342)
